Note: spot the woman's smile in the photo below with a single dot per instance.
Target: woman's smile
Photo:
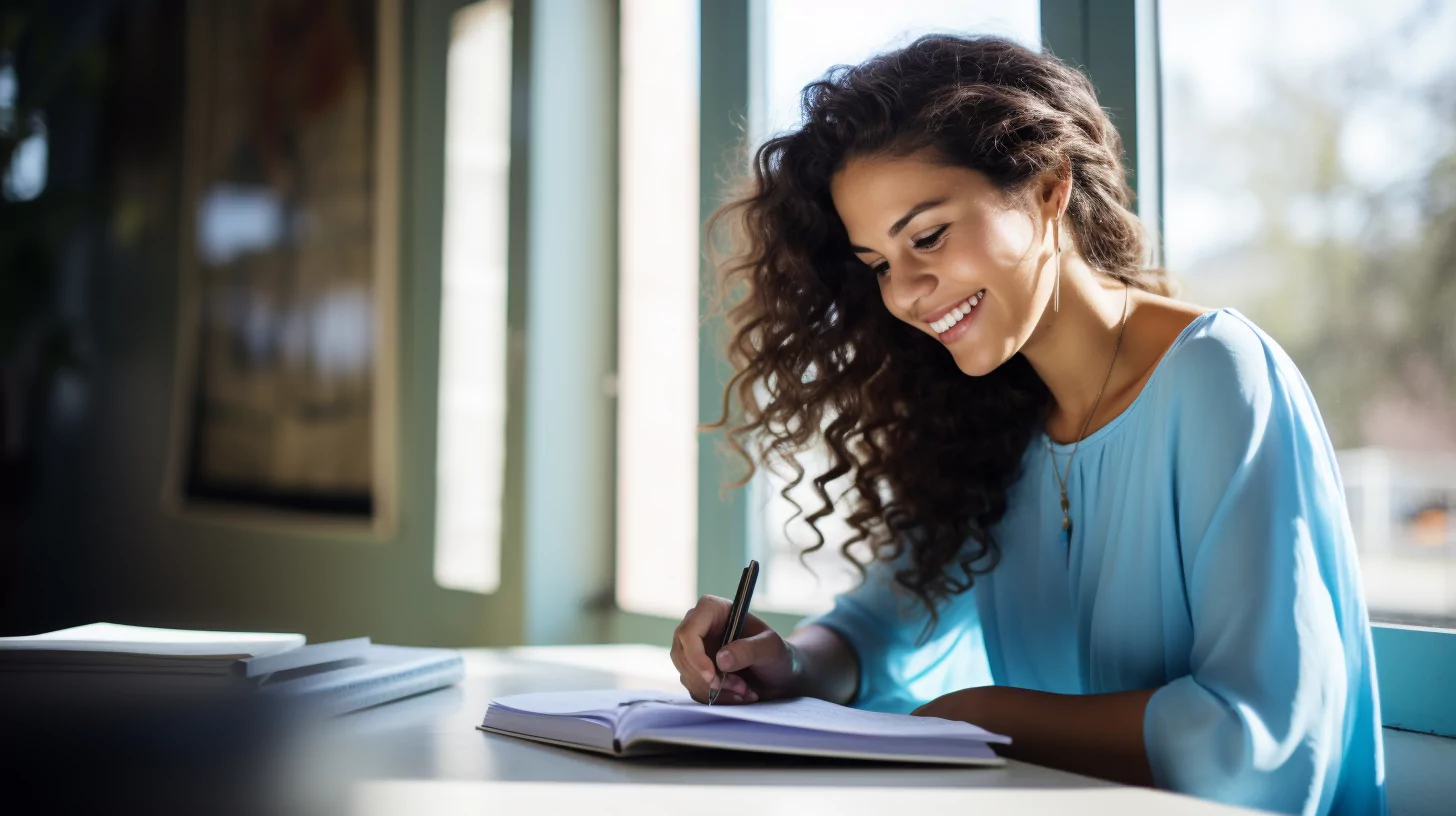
(954, 324)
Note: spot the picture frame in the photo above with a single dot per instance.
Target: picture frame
(284, 411)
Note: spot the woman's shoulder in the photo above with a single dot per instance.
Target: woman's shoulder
(1221, 348)
(1223, 370)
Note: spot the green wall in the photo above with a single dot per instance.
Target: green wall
(96, 542)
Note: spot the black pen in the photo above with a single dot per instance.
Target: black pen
(736, 615)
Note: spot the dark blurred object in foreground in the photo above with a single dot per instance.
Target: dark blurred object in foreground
(113, 751)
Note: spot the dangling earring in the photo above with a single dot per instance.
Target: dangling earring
(1057, 281)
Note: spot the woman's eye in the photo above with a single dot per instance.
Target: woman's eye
(930, 240)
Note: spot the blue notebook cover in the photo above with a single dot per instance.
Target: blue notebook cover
(385, 674)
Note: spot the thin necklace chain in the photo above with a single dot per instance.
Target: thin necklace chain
(1062, 478)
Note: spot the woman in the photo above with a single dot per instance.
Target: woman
(1104, 522)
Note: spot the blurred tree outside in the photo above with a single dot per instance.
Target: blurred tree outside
(1351, 268)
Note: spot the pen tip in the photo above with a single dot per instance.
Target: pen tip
(712, 695)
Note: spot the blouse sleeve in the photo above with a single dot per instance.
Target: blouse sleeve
(1266, 548)
(883, 624)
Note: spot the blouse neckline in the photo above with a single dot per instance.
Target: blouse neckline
(1107, 430)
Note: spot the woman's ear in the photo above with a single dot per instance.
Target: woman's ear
(1054, 190)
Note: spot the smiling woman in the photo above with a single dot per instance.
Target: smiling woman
(1121, 511)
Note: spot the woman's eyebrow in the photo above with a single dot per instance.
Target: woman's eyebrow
(904, 219)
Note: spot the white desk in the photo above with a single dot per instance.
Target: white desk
(424, 755)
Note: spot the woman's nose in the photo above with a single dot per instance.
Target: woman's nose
(910, 282)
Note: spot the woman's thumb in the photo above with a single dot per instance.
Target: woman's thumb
(750, 651)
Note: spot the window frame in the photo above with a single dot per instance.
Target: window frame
(1118, 49)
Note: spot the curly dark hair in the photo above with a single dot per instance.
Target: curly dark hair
(818, 359)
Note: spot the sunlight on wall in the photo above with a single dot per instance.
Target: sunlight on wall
(658, 318)
(470, 463)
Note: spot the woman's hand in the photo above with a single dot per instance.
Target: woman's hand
(967, 705)
(764, 665)
(1093, 734)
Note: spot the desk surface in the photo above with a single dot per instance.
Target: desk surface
(424, 755)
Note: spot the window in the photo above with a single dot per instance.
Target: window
(798, 41)
(657, 356)
(1310, 182)
(470, 463)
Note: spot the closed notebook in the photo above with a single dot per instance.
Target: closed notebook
(385, 673)
(114, 648)
(330, 678)
(634, 723)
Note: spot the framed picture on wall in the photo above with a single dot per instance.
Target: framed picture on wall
(285, 394)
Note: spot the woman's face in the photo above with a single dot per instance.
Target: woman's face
(954, 257)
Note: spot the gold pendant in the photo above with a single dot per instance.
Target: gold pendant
(1067, 523)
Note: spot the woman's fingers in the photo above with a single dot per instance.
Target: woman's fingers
(688, 677)
(763, 649)
(691, 678)
(697, 689)
(701, 629)
(737, 685)
(677, 661)
(733, 698)
(734, 690)
(702, 621)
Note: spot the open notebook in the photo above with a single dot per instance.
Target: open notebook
(631, 723)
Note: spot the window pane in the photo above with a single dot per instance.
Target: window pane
(800, 40)
(1310, 182)
(657, 360)
(470, 456)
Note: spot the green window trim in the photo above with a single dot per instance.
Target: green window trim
(724, 33)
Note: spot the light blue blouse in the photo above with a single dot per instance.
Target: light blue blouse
(1212, 558)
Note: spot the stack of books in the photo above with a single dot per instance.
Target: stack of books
(334, 678)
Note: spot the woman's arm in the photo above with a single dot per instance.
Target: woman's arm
(824, 665)
(1097, 735)
(892, 659)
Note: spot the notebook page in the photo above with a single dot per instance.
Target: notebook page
(805, 713)
(577, 717)
(601, 703)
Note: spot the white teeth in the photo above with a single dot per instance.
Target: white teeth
(956, 314)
